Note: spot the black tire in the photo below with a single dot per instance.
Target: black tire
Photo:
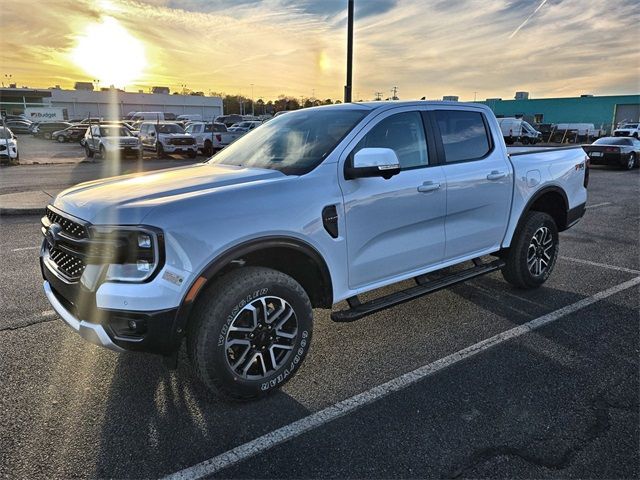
(630, 164)
(192, 154)
(88, 151)
(518, 269)
(160, 150)
(103, 152)
(47, 135)
(61, 139)
(220, 307)
(208, 148)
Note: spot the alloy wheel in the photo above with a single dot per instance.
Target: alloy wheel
(261, 338)
(540, 252)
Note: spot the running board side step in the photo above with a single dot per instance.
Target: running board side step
(359, 310)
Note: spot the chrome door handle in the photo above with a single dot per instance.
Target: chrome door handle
(428, 187)
(496, 175)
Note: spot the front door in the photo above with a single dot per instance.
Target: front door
(395, 226)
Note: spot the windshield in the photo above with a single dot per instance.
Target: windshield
(5, 132)
(170, 128)
(630, 125)
(114, 132)
(293, 144)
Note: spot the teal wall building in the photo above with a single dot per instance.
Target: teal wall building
(602, 111)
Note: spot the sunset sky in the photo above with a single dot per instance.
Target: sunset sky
(426, 48)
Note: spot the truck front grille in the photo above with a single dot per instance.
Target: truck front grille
(74, 229)
(69, 265)
(182, 141)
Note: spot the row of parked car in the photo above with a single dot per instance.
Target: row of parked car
(130, 138)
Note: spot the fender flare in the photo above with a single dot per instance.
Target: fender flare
(217, 264)
(535, 197)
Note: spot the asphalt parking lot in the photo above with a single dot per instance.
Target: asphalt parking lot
(555, 398)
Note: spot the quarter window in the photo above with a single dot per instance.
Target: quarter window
(404, 134)
(464, 135)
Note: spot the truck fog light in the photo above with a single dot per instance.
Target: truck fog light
(133, 325)
(144, 240)
(143, 266)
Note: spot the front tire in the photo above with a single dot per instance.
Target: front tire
(533, 252)
(47, 135)
(61, 139)
(250, 333)
(88, 152)
(160, 150)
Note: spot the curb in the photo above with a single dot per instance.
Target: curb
(5, 212)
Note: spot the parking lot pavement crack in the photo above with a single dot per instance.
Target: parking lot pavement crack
(600, 408)
(27, 323)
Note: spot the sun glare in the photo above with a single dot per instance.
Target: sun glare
(110, 54)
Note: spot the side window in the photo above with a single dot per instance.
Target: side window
(189, 129)
(207, 128)
(464, 135)
(404, 134)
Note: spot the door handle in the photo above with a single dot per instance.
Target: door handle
(496, 175)
(428, 187)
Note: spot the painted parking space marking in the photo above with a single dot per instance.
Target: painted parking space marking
(601, 265)
(599, 205)
(22, 249)
(344, 407)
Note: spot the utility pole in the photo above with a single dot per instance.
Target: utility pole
(253, 111)
(377, 96)
(349, 85)
(475, 94)
(394, 90)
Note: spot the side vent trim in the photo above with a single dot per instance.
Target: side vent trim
(330, 220)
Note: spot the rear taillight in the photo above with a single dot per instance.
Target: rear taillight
(587, 164)
(612, 149)
(218, 137)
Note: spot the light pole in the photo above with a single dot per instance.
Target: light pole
(348, 86)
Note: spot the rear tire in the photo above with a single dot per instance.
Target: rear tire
(88, 151)
(103, 152)
(533, 252)
(61, 139)
(47, 135)
(631, 162)
(250, 333)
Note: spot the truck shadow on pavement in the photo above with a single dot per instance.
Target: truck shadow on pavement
(158, 421)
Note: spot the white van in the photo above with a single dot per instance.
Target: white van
(582, 129)
(515, 129)
(148, 116)
(189, 118)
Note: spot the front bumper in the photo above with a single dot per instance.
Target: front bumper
(180, 148)
(77, 303)
(93, 333)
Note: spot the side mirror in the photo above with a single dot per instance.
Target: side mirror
(373, 162)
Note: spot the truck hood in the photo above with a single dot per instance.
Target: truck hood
(175, 135)
(128, 199)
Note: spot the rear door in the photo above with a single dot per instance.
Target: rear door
(479, 182)
(394, 226)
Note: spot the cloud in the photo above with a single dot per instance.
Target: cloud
(430, 48)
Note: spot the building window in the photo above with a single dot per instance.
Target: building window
(538, 118)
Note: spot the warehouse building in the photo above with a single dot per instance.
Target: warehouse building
(107, 103)
(602, 111)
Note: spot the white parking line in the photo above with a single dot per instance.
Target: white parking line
(601, 265)
(315, 420)
(24, 248)
(599, 205)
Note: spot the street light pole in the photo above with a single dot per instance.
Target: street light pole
(349, 85)
(253, 111)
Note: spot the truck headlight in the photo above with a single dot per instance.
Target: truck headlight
(134, 254)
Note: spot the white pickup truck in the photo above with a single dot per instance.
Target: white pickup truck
(314, 208)
(211, 137)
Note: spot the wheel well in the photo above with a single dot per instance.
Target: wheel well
(302, 264)
(553, 203)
